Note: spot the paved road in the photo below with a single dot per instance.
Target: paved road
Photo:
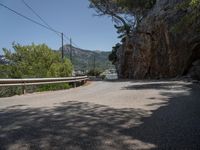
(119, 115)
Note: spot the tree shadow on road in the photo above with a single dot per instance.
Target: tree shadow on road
(81, 125)
(156, 85)
(74, 125)
(175, 125)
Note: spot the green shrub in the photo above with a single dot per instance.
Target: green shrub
(53, 87)
(10, 91)
(94, 72)
(34, 61)
(189, 18)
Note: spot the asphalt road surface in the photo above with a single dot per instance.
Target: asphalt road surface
(120, 115)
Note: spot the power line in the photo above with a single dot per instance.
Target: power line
(46, 26)
(62, 35)
(27, 18)
(75, 45)
(66, 37)
(28, 6)
(71, 41)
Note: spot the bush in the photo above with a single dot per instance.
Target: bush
(34, 61)
(94, 72)
(190, 18)
(18, 90)
(53, 87)
(10, 91)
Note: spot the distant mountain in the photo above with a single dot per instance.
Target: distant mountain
(87, 59)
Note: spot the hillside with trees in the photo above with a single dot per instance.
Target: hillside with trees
(85, 60)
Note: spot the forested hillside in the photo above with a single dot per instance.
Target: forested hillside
(86, 59)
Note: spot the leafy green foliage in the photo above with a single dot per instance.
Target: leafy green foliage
(135, 5)
(123, 6)
(10, 91)
(123, 30)
(195, 3)
(113, 55)
(53, 87)
(115, 8)
(34, 61)
(127, 14)
(190, 18)
(4, 69)
(60, 69)
(94, 72)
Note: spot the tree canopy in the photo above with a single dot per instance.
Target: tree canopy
(118, 9)
(113, 55)
(126, 13)
(35, 61)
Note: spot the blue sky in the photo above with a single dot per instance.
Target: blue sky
(72, 17)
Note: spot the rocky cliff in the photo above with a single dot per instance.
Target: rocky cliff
(165, 44)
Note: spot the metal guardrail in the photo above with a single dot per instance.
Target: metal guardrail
(41, 81)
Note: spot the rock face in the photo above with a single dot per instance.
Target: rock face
(194, 72)
(158, 48)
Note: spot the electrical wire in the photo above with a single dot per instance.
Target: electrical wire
(46, 26)
(33, 11)
(72, 41)
(27, 18)
(28, 6)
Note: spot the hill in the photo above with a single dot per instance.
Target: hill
(87, 59)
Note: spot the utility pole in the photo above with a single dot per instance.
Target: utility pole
(71, 50)
(62, 47)
(94, 62)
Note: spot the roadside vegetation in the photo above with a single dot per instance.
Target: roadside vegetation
(94, 72)
(33, 61)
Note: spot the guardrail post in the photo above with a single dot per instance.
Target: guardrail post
(23, 89)
(75, 84)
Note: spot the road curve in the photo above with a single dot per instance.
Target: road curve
(120, 115)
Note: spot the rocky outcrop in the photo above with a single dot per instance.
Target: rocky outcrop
(161, 46)
(194, 71)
